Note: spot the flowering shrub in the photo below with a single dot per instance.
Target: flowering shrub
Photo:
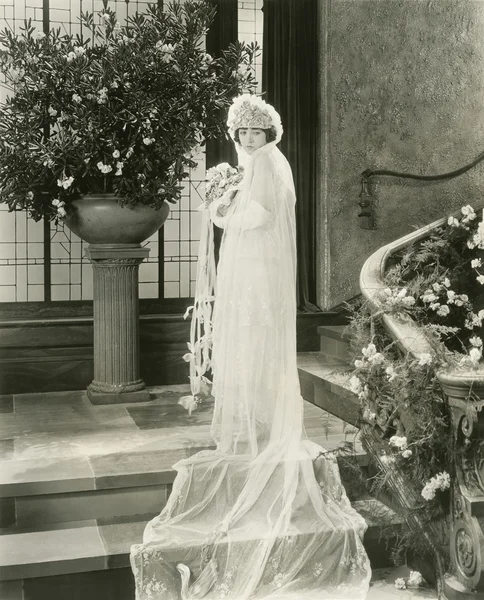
(120, 112)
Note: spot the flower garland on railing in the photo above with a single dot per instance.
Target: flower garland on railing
(439, 282)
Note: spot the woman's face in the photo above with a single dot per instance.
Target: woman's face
(252, 139)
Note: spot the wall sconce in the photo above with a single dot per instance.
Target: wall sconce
(366, 202)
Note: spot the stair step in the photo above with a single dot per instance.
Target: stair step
(105, 545)
(325, 383)
(333, 343)
(75, 462)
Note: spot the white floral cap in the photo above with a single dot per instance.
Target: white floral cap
(249, 110)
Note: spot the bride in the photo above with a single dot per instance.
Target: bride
(264, 515)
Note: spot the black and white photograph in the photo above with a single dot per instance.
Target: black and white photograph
(241, 300)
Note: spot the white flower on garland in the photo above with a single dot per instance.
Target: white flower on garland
(478, 238)
(407, 453)
(355, 385)
(415, 579)
(468, 212)
(399, 441)
(475, 355)
(390, 373)
(429, 296)
(453, 222)
(397, 297)
(476, 263)
(441, 481)
(474, 320)
(476, 341)
(443, 311)
(480, 279)
(425, 359)
(369, 351)
(400, 584)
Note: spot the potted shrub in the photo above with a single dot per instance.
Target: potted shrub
(109, 123)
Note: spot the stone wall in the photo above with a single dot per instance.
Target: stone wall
(402, 87)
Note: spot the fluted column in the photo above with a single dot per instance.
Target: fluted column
(116, 324)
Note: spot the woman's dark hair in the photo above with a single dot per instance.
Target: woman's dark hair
(271, 134)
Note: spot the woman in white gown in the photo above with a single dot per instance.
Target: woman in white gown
(264, 515)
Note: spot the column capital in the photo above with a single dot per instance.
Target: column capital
(117, 254)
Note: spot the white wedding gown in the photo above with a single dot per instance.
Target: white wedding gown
(265, 514)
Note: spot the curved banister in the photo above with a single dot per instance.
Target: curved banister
(401, 326)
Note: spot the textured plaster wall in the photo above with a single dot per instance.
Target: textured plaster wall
(402, 87)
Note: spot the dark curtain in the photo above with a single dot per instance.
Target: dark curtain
(223, 31)
(289, 82)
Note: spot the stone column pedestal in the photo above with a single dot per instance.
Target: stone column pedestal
(116, 324)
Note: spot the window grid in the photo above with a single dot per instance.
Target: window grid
(22, 240)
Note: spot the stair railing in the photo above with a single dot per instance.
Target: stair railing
(465, 394)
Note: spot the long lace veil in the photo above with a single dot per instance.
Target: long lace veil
(263, 515)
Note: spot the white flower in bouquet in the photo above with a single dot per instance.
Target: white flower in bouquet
(221, 179)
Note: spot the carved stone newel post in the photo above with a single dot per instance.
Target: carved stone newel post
(465, 393)
(116, 324)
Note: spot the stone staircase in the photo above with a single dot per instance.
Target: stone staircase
(78, 483)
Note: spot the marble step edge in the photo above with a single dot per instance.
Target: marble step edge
(22, 479)
(335, 332)
(331, 372)
(32, 477)
(104, 544)
(326, 384)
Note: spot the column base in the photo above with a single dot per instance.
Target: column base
(100, 398)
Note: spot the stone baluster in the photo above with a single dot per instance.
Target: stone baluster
(116, 324)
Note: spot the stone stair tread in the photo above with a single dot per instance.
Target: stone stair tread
(118, 470)
(106, 545)
(332, 371)
(332, 331)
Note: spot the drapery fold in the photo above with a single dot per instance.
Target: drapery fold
(289, 81)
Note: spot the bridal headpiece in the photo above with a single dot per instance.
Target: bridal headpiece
(249, 110)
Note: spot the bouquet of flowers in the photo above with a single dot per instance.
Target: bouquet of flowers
(222, 180)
